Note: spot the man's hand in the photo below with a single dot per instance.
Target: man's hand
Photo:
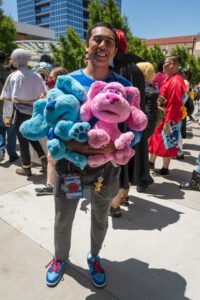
(167, 127)
(86, 149)
(109, 147)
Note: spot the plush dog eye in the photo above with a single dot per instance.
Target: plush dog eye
(118, 92)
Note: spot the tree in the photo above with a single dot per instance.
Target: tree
(155, 55)
(95, 12)
(70, 50)
(188, 61)
(7, 33)
(109, 12)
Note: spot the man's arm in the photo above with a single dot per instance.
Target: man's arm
(86, 149)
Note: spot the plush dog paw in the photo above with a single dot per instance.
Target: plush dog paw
(95, 161)
(122, 157)
(124, 140)
(98, 138)
(78, 159)
(79, 131)
(56, 148)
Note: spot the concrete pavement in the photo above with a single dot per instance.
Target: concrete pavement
(151, 253)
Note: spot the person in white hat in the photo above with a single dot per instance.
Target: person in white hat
(21, 90)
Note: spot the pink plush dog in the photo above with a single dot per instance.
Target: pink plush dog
(112, 103)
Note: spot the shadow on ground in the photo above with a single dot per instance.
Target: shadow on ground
(145, 215)
(188, 158)
(193, 147)
(168, 190)
(82, 277)
(178, 176)
(133, 279)
(37, 178)
(6, 164)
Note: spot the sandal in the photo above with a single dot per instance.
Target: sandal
(115, 212)
(124, 201)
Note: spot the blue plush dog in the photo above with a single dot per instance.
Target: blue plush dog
(58, 117)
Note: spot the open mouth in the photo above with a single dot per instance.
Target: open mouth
(107, 112)
(101, 53)
(61, 116)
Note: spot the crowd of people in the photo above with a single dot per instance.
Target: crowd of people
(164, 98)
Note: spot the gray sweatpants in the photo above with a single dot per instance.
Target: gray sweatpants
(100, 205)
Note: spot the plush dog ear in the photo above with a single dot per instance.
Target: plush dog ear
(137, 119)
(69, 85)
(85, 111)
(133, 96)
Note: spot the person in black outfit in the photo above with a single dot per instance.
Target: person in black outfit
(151, 96)
(136, 172)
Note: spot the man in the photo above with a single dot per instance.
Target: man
(11, 134)
(101, 44)
(172, 91)
(22, 88)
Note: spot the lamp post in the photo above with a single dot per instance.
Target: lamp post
(193, 41)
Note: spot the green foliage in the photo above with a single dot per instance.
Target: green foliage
(108, 12)
(70, 51)
(7, 33)
(95, 12)
(188, 61)
(156, 54)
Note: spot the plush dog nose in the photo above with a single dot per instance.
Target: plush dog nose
(112, 98)
(51, 105)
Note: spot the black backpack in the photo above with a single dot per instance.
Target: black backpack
(189, 106)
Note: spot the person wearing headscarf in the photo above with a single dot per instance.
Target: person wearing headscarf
(21, 90)
(136, 172)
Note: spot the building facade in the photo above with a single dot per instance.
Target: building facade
(190, 42)
(57, 14)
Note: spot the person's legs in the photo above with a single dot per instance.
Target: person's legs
(50, 169)
(166, 162)
(48, 188)
(11, 142)
(2, 139)
(165, 169)
(41, 154)
(115, 210)
(64, 215)
(100, 206)
(38, 148)
(24, 145)
(152, 158)
(125, 197)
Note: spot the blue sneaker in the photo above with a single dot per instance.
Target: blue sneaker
(96, 270)
(54, 272)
